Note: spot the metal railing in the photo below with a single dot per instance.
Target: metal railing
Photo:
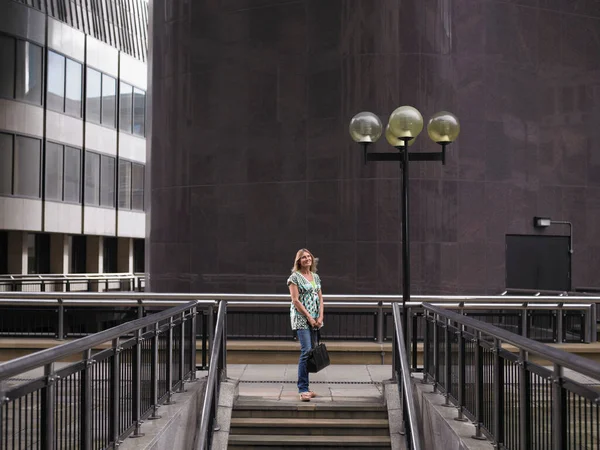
(402, 372)
(355, 317)
(216, 373)
(104, 396)
(79, 282)
(518, 403)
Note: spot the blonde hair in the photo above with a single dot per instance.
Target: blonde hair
(299, 253)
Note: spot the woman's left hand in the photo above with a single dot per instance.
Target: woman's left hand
(319, 322)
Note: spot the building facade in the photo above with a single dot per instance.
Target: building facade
(251, 157)
(72, 136)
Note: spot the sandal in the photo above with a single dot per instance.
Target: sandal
(305, 396)
(312, 394)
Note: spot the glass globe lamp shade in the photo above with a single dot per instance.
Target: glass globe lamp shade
(365, 127)
(443, 127)
(395, 141)
(406, 121)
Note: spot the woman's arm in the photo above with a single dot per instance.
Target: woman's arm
(299, 306)
(320, 318)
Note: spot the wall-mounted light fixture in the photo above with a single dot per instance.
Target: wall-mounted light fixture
(541, 222)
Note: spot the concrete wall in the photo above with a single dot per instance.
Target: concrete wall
(251, 158)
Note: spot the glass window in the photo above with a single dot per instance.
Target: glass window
(6, 163)
(7, 68)
(93, 96)
(78, 252)
(73, 94)
(107, 181)
(27, 167)
(72, 175)
(139, 112)
(109, 90)
(125, 107)
(54, 171)
(138, 256)
(29, 72)
(137, 187)
(92, 178)
(124, 184)
(56, 82)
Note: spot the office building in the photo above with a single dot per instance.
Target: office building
(72, 136)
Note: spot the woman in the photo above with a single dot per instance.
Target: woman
(306, 312)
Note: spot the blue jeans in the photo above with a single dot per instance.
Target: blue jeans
(306, 337)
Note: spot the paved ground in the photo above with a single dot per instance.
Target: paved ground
(341, 382)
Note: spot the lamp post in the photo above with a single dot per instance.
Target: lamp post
(405, 124)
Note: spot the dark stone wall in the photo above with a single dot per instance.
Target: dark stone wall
(251, 158)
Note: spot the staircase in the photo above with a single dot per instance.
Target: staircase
(260, 424)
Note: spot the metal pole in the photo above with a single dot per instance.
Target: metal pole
(478, 387)
(559, 323)
(524, 402)
(224, 342)
(86, 400)
(498, 394)
(436, 355)
(192, 338)
(116, 391)
(47, 432)
(447, 362)
(426, 343)
(559, 410)
(170, 363)
(405, 243)
(461, 375)
(61, 321)
(137, 385)
(154, 373)
(182, 354)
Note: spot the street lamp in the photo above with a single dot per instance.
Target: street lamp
(405, 124)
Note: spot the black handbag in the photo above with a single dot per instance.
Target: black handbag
(318, 358)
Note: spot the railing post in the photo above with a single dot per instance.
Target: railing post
(447, 361)
(211, 327)
(115, 392)
(224, 343)
(525, 321)
(478, 387)
(380, 321)
(192, 338)
(436, 365)
(395, 362)
(498, 394)
(593, 314)
(524, 403)
(137, 385)
(48, 408)
(559, 410)
(414, 339)
(408, 333)
(170, 364)
(426, 347)
(559, 324)
(182, 354)
(154, 373)
(61, 321)
(461, 374)
(204, 339)
(86, 400)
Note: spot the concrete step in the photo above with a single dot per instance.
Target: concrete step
(309, 410)
(313, 427)
(308, 442)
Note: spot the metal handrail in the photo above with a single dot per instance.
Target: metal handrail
(416, 299)
(409, 409)
(578, 363)
(68, 276)
(41, 358)
(210, 398)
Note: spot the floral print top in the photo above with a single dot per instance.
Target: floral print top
(308, 296)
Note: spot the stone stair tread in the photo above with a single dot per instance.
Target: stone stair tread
(293, 440)
(263, 404)
(303, 423)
